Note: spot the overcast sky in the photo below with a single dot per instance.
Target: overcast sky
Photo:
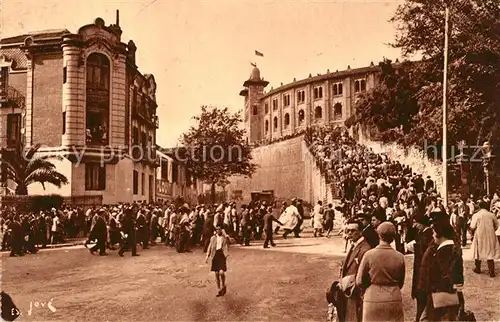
(200, 51)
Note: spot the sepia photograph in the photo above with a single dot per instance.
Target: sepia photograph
(250, 160)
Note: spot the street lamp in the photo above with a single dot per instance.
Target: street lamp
(488, 159)
(463, 162)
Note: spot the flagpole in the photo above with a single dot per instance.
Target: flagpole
(445, 108)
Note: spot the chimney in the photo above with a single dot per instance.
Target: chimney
(117, 17)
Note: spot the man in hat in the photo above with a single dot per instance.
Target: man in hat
(128, 233)
(368, 231)
(422, 241)
(485, 244)
(99, 233)
(268, 227)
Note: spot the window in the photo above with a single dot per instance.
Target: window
(301, 117)
(13, 129)
(98, 78)
(318, 112)
(266, 108)
(337, 89)
(98, 71)
(95, 177)
(255, 110)
(64, 122)
(301, 97)
(135, 182)
(143, 184)
(287, 120)
(65, 74)
(337, 111)
(275, 123)
(267, 126)
(135, 135)
(360, 85)
(286, 99)
(175, 174)
(4, 75)
(164, 169)
(275, 104)
(318, 92)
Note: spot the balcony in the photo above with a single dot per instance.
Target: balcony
(11, 97)
(164, 187)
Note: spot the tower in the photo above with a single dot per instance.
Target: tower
(253, 92)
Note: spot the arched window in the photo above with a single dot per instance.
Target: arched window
(356, 86)
(98, 71)
(287, 120)
(337, 111)
(267, 126)
(97, 98)
(255, 110)
(318, 112)
(275, 123)
(301, 116)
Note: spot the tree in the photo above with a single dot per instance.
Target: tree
(389, 107)
(215, 149)
(24, 168)
(473, 75)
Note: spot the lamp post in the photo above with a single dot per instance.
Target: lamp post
(445, 112)
(488, 159)
(463, 162)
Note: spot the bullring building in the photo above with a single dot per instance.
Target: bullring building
(81, 96)
(317, 100)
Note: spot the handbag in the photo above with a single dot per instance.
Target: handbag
(444, 299)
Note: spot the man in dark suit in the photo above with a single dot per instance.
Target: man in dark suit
(99, 233)
(353, 303)
(128, 230)
(268, 227)
(422, 241)
(368, 232)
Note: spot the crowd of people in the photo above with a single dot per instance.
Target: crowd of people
(384, 203)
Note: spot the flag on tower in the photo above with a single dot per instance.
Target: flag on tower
(258, 53)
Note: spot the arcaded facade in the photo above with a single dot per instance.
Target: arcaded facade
(81, 96)
(318, 100)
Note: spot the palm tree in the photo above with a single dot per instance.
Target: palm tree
(24, 168)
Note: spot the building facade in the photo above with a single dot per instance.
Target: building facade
(174, 181)
(82, 97)
(289, 109)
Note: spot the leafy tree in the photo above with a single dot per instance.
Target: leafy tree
(473, 77)
(25, 168)
(215, 148)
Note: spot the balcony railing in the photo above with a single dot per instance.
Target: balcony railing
(11, 97)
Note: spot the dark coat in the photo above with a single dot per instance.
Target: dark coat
(371, 236)
(440, 270)
(422, 241)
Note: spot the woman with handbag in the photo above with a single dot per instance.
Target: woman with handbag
(441, 275)
(382, 274)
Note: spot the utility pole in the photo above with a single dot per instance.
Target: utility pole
(445, 108)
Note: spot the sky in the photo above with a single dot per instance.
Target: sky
(200, 51)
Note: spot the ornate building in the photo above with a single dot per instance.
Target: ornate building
(81, 96)
(318, 100)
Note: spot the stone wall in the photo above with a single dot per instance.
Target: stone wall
(287, 168)
(411, 156)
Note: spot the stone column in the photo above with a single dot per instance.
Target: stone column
(73, 97)
(29, 102)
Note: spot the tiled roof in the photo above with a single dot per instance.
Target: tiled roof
(20, 61)
(37, 35)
